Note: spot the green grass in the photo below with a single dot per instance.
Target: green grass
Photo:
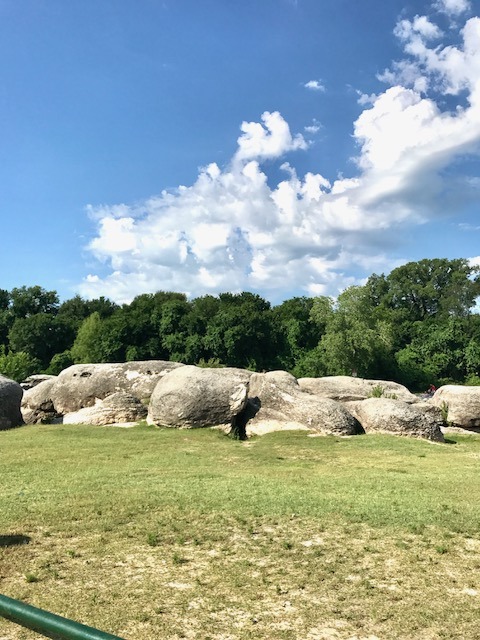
(155, 533)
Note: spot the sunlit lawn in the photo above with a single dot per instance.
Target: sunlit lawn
(154, 533)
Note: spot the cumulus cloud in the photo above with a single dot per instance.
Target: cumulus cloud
(268, 140)
(314, 85)
(232, 229)
(365, 99)
(452, 7)
(313, 128)
(420, 25)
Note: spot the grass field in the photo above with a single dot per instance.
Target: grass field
(163, 534)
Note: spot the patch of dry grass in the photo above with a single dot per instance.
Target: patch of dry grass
(158, 534)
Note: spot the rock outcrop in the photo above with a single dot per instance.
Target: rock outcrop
(247, 403)
(10, 399)
(117, 408)
(194, 397)
(277, 402)
(37, 405)
(81, 385)
(461, 404)
(383, 415)
(348, 388)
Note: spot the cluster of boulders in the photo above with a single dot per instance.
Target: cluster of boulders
(183, 396)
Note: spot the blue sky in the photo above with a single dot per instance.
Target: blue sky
(286, 147)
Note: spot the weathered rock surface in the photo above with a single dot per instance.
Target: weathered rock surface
(462, 404)
(34, 380)
(383, 415)
(81, 385)
(10, 398)
(348, 388)
(194, 397)
(277, 402)
(117, 408)
(37, 405)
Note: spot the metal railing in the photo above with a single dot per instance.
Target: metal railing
(48, 624)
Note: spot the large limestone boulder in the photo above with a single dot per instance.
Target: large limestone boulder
(117, 408)
(10, 398)
(347, 388)
(195, 397)
(277, 402)
(37, 404)
(462, 405)
(383, 415)
(81, 385)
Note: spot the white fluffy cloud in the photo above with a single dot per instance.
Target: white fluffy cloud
(314, 85)
(313, 128)
(420, 25)
(233, 230)
(452, 7)
(270, 140)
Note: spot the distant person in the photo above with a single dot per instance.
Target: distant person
(431, 390)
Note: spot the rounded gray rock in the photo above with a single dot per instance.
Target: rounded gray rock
(349, 388)
(279, 403)
(10, 399)
(196, 397)
(37, 405)
(383, 415)
(462, 405)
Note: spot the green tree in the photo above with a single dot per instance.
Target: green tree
(201, 313)
(472, 357)
(169, 322)
(29, 301)
(355, 339)
(41, 335)
(76, 309)
(101, 340)
(242, 333)
(59, 362)
(87, 347)
(143, 318)
(4, 299)
(298, 334)
(421, 291)
(436, 354)
(6, 321)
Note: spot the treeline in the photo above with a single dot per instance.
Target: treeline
(416, 325)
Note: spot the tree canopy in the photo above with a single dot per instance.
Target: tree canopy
(417, 325)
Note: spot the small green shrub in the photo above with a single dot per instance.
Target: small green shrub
(178, 559)
(17, 366)
(211, 363)
(379, 392)
(59, 362)
(152, 539)
(444, 410)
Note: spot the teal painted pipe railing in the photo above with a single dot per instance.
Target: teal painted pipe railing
(48, 624)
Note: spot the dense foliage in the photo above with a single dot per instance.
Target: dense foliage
(416, 325)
